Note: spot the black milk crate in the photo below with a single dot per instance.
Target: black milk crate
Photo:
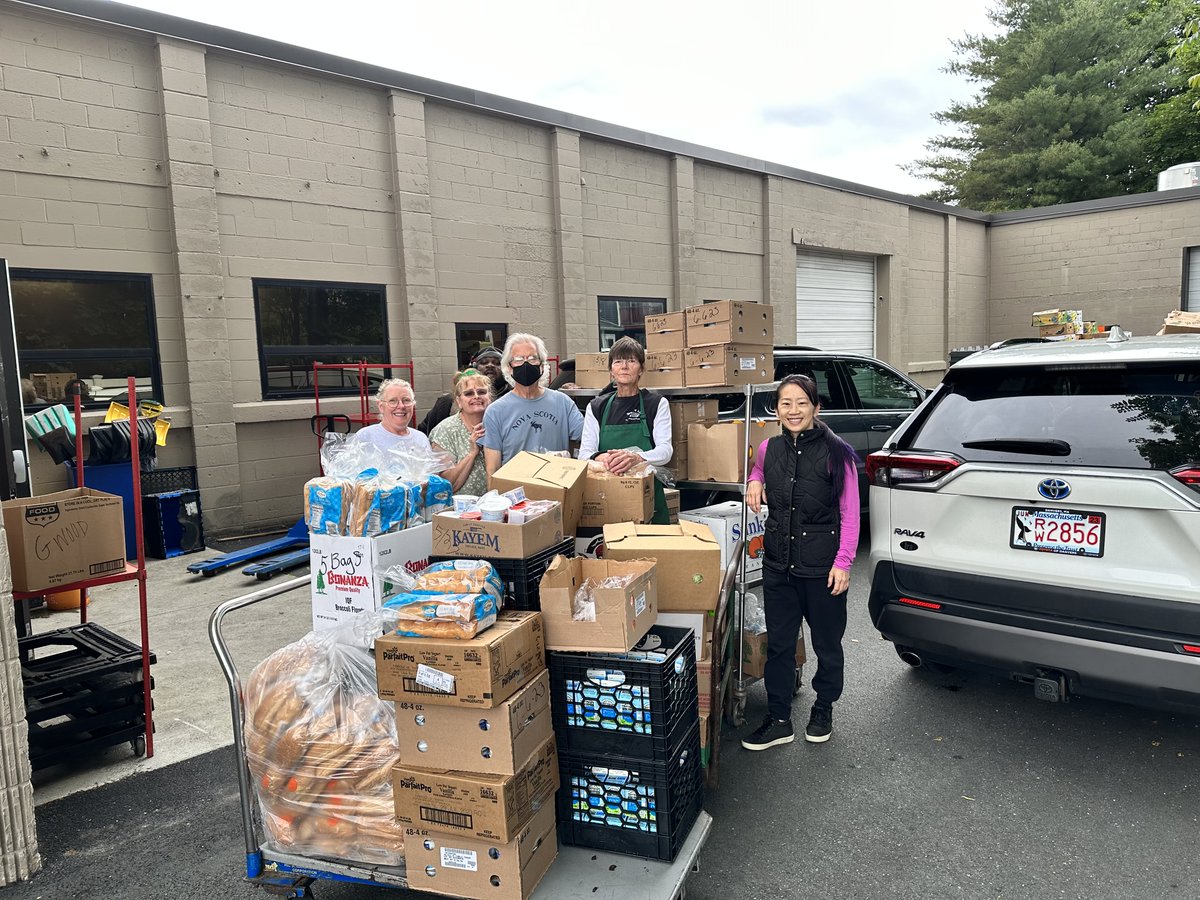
(164, 481)
(613, 702)
(172, 523)
(632, 806)
(523, 577)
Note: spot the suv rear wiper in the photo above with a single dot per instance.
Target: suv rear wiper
(1043, 446)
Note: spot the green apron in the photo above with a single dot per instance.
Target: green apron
(622, 437)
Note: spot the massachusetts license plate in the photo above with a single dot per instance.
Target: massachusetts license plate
(1058, 531)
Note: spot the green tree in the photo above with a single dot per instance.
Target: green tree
(1066, 89)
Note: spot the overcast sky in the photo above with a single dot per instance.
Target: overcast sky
(845, 89)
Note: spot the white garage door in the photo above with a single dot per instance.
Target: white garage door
(1191, 296)
(835, 301)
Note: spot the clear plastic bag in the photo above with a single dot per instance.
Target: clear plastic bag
(756, 616)
(583, 606)
(320, 746)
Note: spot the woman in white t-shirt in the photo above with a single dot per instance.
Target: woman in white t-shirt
(395, 401)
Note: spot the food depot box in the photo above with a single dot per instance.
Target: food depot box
(473, 539)
(725, 520)
(688, 556)
(483, 671)
(546, 477)
(348, 571)
(57, 539)
(623, 615)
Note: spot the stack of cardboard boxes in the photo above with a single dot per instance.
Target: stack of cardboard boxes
(729, 343)
(1178, 322)
(666, 344)
(474, 787)
(1067, 325)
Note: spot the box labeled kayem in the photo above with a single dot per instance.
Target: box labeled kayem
(733, 365)
(481, 672)
(718, 452)
(663, 369)
(493, 740)
(591, 370)
(460, 866)
(731, 322)
(622, 616)
(493, 807)
(725, 520)
(455, 536)
(666, 332)
(688, 557)
(57, 539)
(546, 477)
(616, 498)
(348, 572)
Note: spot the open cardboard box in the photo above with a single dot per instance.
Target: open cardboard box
(623, 615)
(616, 498)
(688, 556)
(546, 477)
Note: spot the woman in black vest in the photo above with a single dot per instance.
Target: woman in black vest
(809, 477)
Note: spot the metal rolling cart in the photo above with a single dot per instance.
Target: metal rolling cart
(578, 873)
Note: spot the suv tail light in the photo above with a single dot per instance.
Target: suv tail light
(890, 469)
(1189, 475)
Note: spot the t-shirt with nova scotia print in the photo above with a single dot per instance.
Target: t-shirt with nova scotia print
(514, 423)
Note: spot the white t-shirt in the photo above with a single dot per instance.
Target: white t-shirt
(385, 440)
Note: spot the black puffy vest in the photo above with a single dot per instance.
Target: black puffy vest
(802, 512)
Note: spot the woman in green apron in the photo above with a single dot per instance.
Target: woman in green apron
(626, 424)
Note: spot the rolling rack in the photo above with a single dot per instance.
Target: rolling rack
(96, 692)
(578, 873)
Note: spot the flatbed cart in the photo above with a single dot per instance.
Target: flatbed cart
(576, 874)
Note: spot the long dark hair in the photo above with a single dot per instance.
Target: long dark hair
(840, 453)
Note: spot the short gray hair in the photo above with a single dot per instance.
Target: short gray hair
(388, 383)
(506, 357)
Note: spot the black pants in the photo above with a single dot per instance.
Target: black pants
(787, 600)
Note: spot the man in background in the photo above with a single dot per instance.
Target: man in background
(485, 362)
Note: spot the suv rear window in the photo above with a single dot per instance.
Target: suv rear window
(1135, 416)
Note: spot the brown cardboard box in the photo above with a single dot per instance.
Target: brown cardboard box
(546, 477)
(688, 556)
(495, 807)
(460, 866)
(623, 615)
(672, 496)
(476, 740)
(731, 321)
(678, 463)
(715, 451)
(484, 671)
(616, 498)
(663, 369)
(453, 536)
(56, 539)
(1057, 317)
(1056, 330)
(728, 364)
(685, 412)
(754, 650)
(1178, 322)
(50, 386)
(704, 671)
(591, 370)
(665, 332)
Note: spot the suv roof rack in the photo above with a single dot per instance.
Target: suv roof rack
(798, 347)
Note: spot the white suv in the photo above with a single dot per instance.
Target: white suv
(1039, 516)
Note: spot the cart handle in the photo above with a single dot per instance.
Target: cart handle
(217, 639)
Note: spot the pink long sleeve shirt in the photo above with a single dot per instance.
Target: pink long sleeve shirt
(847, 506)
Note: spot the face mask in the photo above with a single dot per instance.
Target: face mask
(526, 375)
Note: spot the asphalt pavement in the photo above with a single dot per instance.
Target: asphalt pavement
(933, 786)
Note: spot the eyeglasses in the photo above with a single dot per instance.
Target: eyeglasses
(403, 401)
(532, 360)
(482, 392)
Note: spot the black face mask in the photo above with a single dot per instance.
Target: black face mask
(526, 374)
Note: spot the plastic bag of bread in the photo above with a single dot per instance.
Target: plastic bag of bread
(459, 576)
(444, 629)
(378, 505)
(320, 746)
(439, 496)
(327, 504)
(461, 608)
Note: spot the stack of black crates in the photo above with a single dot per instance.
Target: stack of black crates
(523, 577)
(628, 731)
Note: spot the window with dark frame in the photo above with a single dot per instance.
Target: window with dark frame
(98, 327)
(1190, 300)
(302, 322)
(470, 338)
(626, 317)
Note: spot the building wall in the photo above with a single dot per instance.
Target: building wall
(125, 152)
(1122, 266)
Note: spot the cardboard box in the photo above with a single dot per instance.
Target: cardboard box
(1057, 317)
(705, 750)
(678, 463)
(688, 556)
(731, 321)
(591, 370)
(1178, 322)
(672, 498)
(453, 536)
(623, 615)
(754, 649)
(616, 498)
(663, 369)
(728, 364)
(715, 452)
(348, 571)
(460, 866)
(666, 332)
(701, 622)
(685, 412)
(493, 807)
(57, 539)
(1056, 330)
(51, 385)
(546, 477)
(476, 740)
(704, 672)
(481, 672)
(725, 520)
